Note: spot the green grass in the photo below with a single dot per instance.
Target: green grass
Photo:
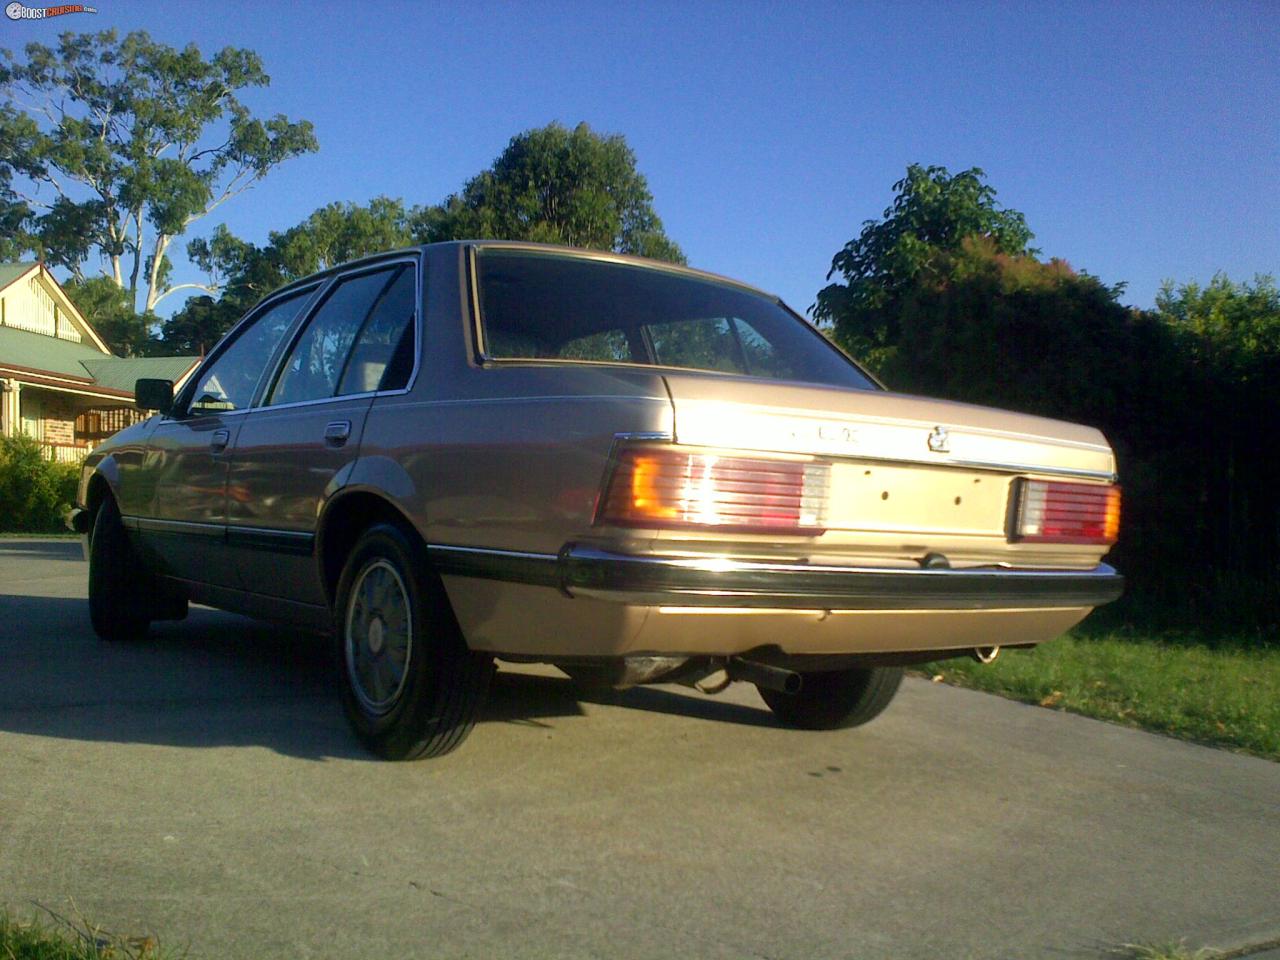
(1221, 691)
(69, 940)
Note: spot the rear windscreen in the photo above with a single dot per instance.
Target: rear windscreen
(546, 306)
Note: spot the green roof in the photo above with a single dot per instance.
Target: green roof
(22, 348)
(10, 272)
(120, 373)
(35, 351)
(84, 361)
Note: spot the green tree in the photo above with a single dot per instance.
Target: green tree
(197, 326)
(244, 273)
(116, 146)
(933, 212)
(555, 185)
(239, 272)
(110, 313)
(14, 240)
(552, 185)
(1231, 328)
(340, 232)
(1230, 335)
(1013, 331)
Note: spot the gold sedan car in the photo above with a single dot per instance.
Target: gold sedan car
(634, 471)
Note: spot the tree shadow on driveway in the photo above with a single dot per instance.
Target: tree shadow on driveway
(217, 679)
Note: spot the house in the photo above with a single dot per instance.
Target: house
(59, 383)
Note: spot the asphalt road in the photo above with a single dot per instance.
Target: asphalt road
(203, 786)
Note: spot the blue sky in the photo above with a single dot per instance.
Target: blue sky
(1141, 140)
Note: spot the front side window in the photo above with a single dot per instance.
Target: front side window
(230, 383)
(355, 341)
(552, 306)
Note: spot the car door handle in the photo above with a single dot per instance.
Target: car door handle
(337, 432)
(218, 442)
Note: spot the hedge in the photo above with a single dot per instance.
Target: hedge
(35, 493)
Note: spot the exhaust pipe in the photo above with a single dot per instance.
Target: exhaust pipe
(763, 675)
(985, 654)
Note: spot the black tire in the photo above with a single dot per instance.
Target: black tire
(836, 699)
(411, 687)
(118, 602)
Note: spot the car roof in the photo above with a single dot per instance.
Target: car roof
(607, 256)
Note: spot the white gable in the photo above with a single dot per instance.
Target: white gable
(36, 303)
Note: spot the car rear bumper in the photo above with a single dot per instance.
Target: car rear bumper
(597, 574)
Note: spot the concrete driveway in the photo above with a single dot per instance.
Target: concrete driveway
(203, 786)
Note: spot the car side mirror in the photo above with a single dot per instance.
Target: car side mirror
(153, 395)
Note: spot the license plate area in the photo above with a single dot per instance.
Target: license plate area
(884, 498)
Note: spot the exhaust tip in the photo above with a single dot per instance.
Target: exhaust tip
(764, 675)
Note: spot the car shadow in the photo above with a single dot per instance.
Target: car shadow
(217, 679)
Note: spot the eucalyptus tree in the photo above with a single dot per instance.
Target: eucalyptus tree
(116, 146)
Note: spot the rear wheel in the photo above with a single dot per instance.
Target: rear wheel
(119, 606)
(836, 699)
(411, 687)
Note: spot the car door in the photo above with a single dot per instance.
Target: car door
(296, 447)
(189, 450)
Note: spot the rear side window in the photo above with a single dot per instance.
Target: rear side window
(360, 339)
(552, 306)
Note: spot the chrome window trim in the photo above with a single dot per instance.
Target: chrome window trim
(293, 405)
(661, 402)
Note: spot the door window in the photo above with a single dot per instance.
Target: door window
(230, 383)
(318, 363)
(383, 356)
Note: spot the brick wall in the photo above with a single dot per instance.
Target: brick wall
(59, 411)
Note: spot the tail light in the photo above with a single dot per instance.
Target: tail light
(667, 487)
(1056, 512)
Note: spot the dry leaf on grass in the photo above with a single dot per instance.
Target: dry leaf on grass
(1052, 700)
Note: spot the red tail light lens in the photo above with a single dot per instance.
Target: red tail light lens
(665, 487)
(1054, 512)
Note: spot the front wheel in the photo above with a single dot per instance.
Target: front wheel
(836, 699)
(411, 687)
(119, 607)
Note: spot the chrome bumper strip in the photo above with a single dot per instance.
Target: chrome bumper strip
(581, 571)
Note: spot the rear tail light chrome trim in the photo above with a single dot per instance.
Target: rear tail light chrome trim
(1051, 511)
(668, 486)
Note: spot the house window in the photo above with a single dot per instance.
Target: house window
(101, 422)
